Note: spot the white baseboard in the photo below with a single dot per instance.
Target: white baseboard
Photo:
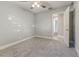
(58, 36)
(50, 37)
(61, 36)
(44, 37)
(14, 43)
(19, 41)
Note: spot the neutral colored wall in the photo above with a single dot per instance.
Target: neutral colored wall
(61, 24)
(43, 24)
(76, 5)
(15, 23)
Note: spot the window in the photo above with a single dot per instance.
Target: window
(55, 23)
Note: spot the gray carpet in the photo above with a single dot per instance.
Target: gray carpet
(39, 47)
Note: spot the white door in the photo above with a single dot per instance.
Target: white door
(66, 26)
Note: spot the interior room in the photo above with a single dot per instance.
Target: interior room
(39, 29)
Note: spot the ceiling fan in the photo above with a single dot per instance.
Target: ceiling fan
(41, 4)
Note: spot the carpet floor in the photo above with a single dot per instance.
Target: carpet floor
(39, 47)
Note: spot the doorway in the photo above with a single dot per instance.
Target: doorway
(72, 30)
(58, 26)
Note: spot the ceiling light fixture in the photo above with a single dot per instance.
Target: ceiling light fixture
(35, 4)
(38, 6)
